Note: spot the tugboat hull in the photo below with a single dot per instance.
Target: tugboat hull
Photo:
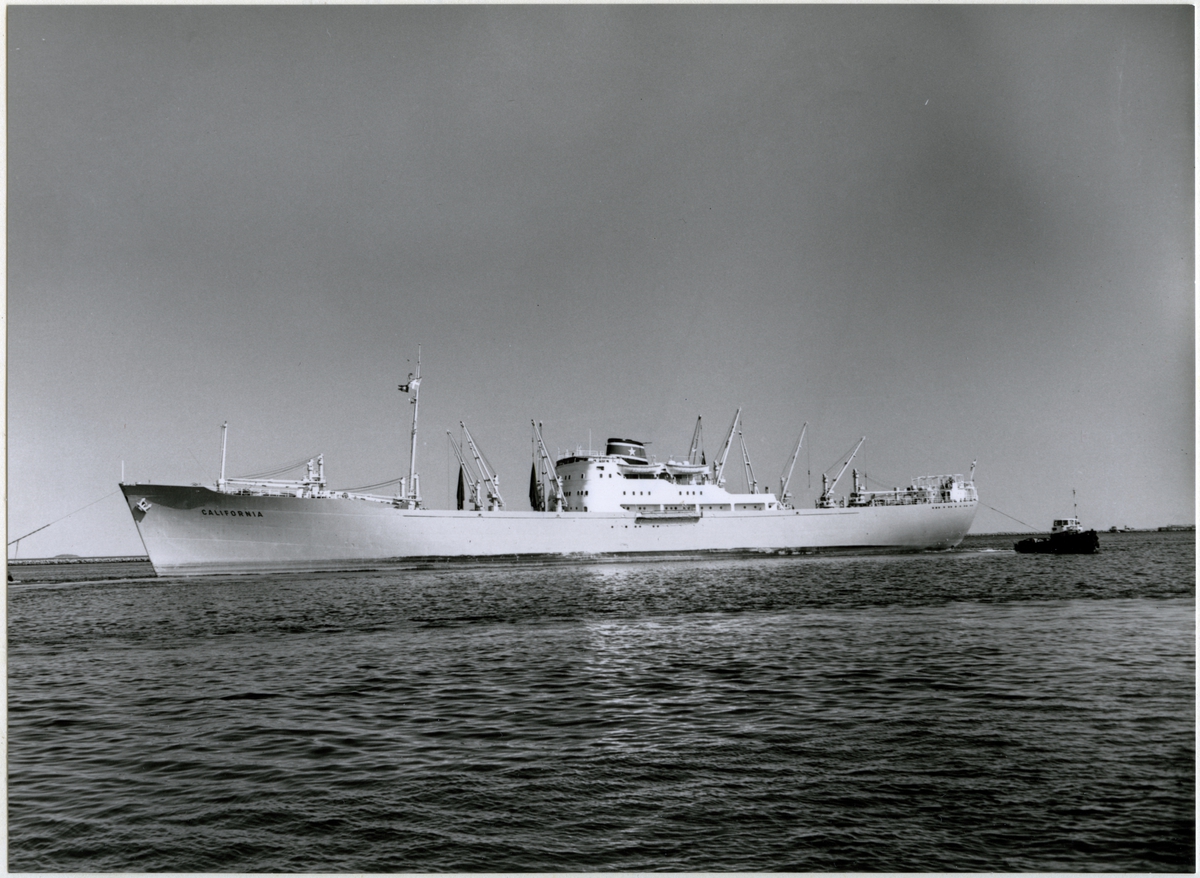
(1086, 543)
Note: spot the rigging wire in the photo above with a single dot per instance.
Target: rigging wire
(280, 470)
(394, 481)
(844, 454)
(885, 484)
(1013, 517)
(68, 515)
(489, 463)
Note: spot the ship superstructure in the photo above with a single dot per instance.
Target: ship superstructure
(586, 503)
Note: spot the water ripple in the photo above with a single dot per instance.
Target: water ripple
(964, 711)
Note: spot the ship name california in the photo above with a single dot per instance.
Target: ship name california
(591, 504)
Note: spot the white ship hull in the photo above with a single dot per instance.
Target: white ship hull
(195, 530)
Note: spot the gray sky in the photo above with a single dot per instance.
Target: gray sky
(964, 232)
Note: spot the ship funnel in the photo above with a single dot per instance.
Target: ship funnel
(631, 450)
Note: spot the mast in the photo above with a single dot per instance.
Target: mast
(783, 481)
(719, 464)
(221, 483)
(412, 491)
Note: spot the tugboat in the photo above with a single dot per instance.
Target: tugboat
(1067, 537)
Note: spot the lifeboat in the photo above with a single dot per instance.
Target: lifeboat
(643, 470)
(676, 468)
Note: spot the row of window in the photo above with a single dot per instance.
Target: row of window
(681, 493)
(641, 476)
(664, 476)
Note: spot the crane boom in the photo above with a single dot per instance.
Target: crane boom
(825, 500)
(490, 478)
(472, 478)
(548, 468)
(784, 480)
(719, 464)
(697, 449)
(751, 482)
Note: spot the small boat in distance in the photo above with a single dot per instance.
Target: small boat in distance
(1067, 537)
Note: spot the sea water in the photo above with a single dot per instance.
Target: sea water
(971, 710)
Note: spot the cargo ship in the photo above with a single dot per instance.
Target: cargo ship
(585, 504)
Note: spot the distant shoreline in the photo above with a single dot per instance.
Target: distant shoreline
(102, 559)
(1170, 528)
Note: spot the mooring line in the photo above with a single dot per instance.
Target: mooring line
(1013, 517)
(68, 515)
